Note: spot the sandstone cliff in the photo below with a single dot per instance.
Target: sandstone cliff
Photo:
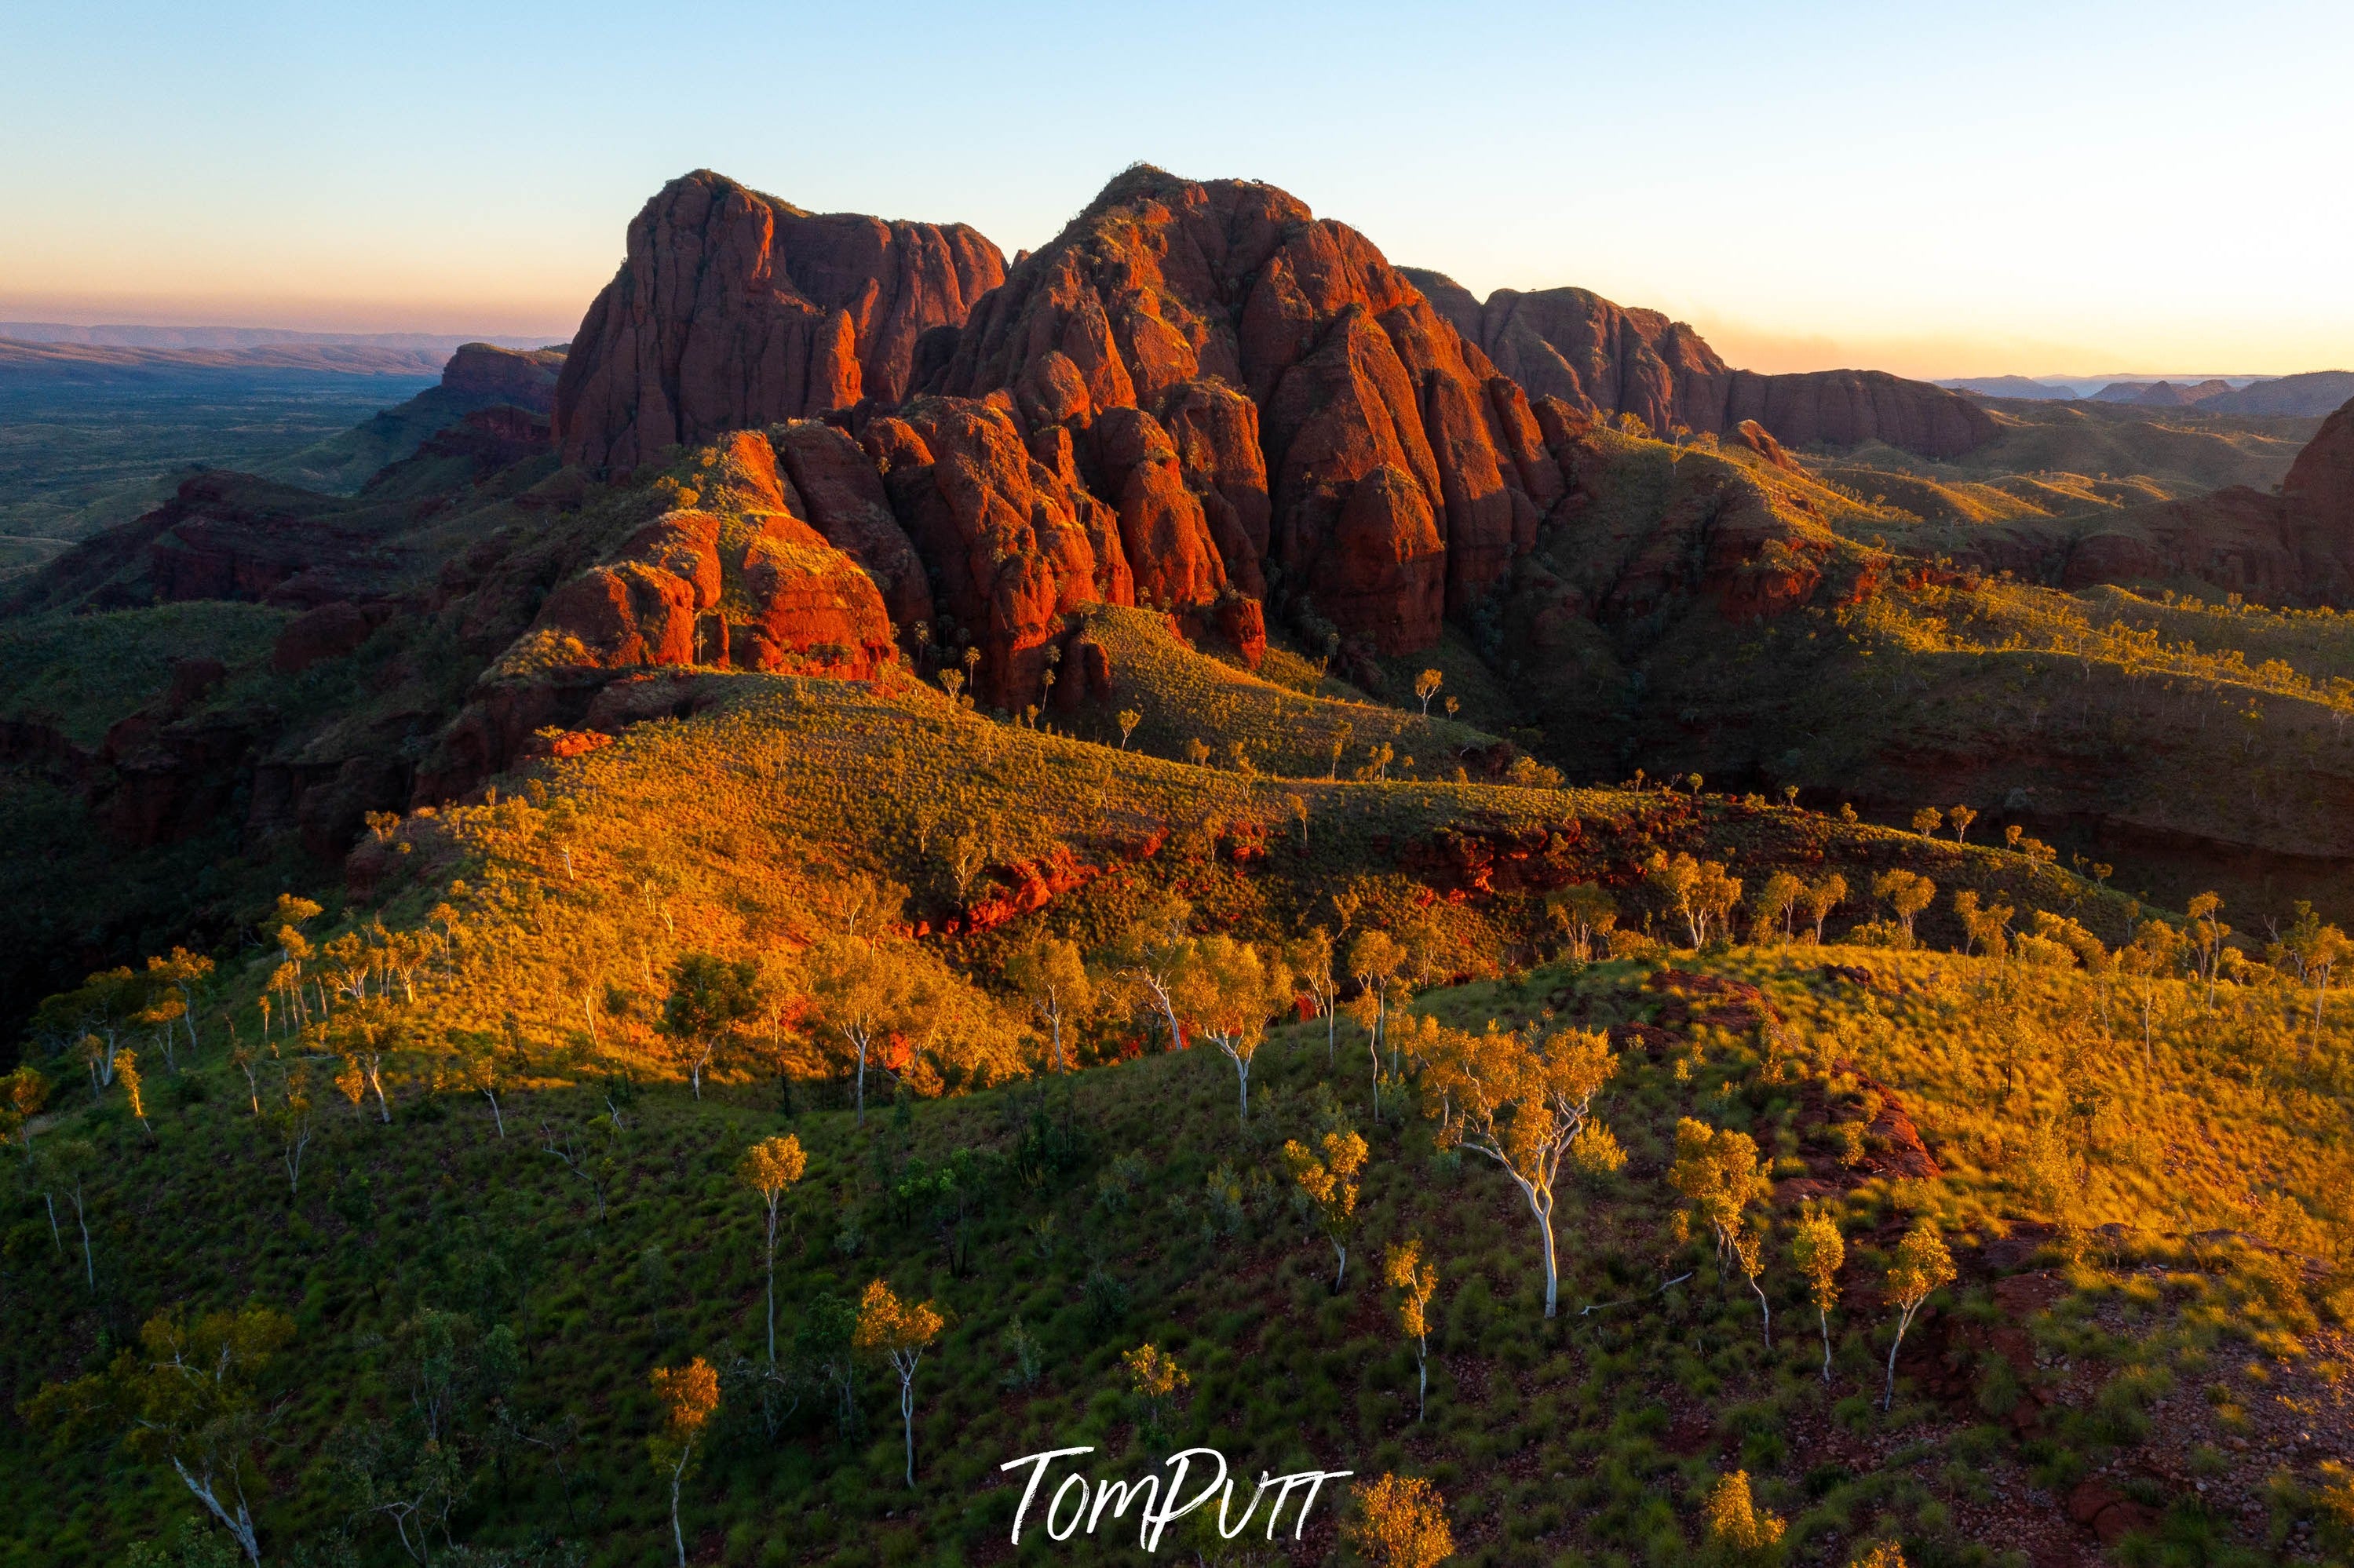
(1260, 395)
(1198, 396)
(735, 309)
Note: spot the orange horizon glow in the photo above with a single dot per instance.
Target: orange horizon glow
(2100, 188)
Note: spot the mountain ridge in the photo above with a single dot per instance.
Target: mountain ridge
(1573, 344)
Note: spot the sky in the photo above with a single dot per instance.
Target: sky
(2044, 188)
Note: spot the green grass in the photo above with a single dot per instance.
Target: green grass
(1184, 695)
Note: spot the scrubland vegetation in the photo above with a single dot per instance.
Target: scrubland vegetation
(476, 1191)
(734, 1139)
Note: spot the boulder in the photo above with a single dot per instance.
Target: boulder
(625, 615)
(1759, 439)
(811, 608)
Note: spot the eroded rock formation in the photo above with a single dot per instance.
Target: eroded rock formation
(1263, 396)
(735, 309)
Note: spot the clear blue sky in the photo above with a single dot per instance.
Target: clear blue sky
(1952, 189)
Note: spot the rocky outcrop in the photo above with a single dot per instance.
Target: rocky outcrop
(1591, 353)
(327, 632)
(524, 379)
(735, 310)
(666, 599)
(809, 608)
(1749, 433)
(825, 479)
(1014, 539)
(1199, 396)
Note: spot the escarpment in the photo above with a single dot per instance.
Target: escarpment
(1593, 355)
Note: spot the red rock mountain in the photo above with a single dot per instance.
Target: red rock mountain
(1199, 396)
(1593, 355)
(735, 309)
(1260, 395)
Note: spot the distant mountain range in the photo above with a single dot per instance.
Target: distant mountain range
(80, 361)
(2307, 395)
(438, 346)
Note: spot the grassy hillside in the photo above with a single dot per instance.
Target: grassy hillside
(2179, 451)
(80, 673)
(736, 832)
(2140, 1170)
(1926, 686)
(1087, 1214)
(1180, 696)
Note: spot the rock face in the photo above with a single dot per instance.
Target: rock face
(1591, 353)
(1014, 539)
(1259, 392)
(735, 311)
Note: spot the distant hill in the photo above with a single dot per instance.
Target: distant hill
(96, 434)
(478, 376)
(1596, 356)
(2309, 396)
(2163, 393)
(107, 362)
(2010, 387)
